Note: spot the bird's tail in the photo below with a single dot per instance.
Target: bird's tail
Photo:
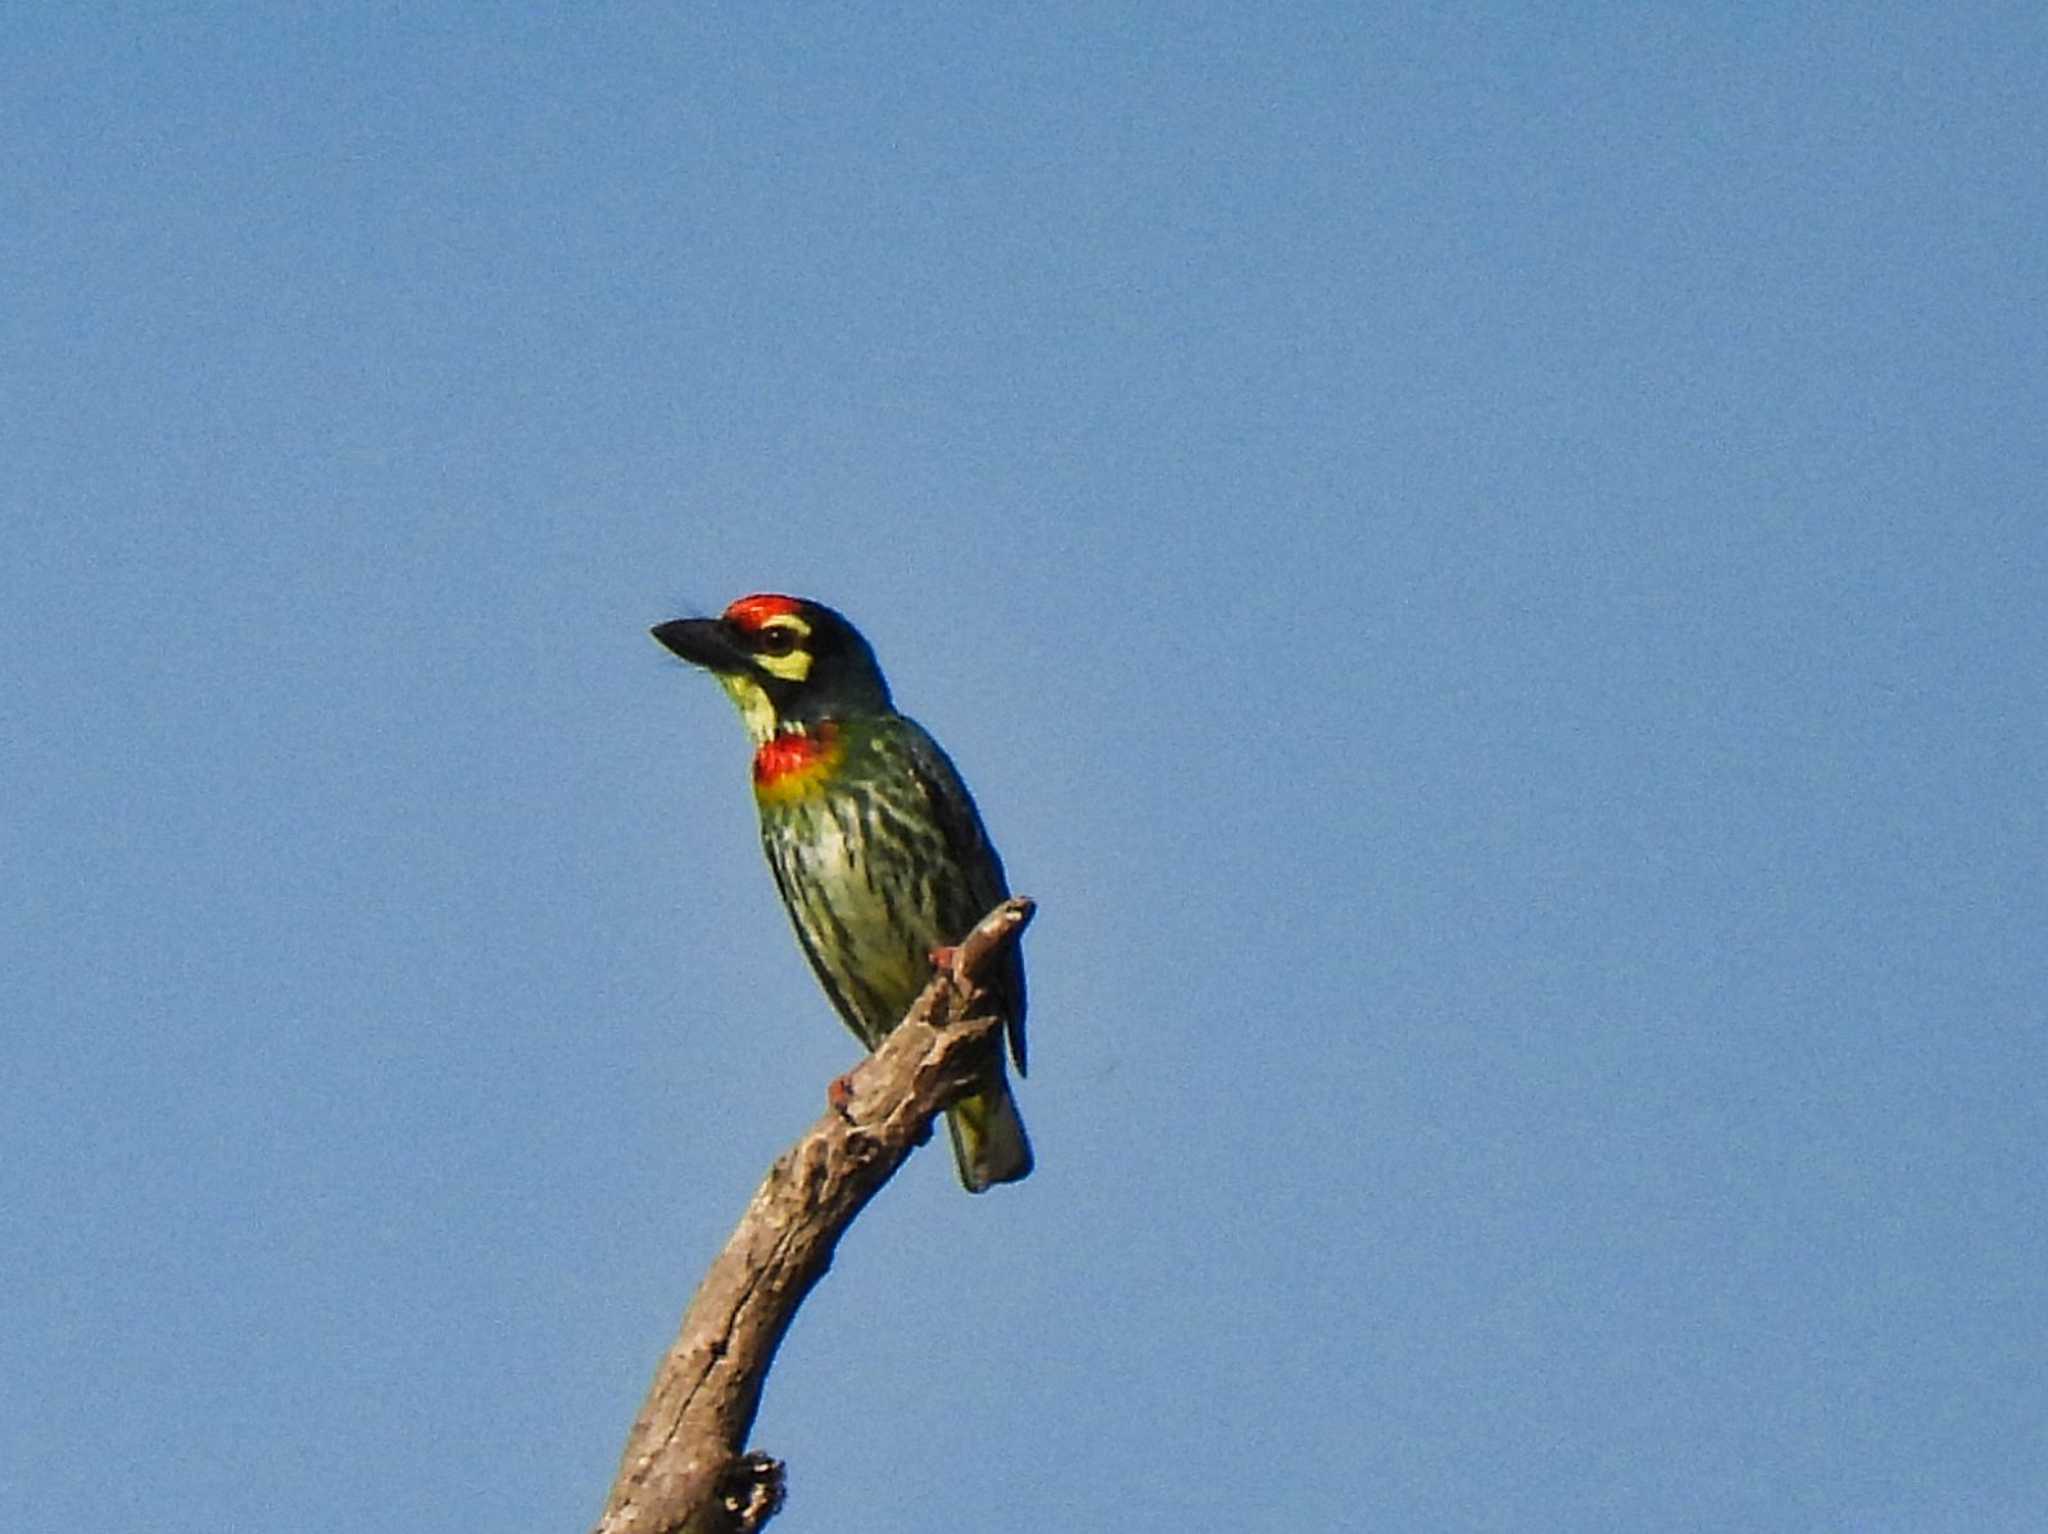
(989, 1144)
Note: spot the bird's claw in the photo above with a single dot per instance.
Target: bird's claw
(839, 1096)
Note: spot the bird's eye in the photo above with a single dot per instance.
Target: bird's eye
(777, 641)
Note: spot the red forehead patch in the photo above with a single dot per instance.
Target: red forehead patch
(751, 612)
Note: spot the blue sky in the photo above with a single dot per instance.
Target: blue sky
(1488, 572)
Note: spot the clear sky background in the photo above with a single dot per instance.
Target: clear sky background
(1490, 573)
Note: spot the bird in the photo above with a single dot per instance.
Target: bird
(876, 845)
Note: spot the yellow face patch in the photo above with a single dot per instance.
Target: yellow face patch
(793, 667)
(751, 699)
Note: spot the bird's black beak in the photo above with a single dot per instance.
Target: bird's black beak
(703, 642)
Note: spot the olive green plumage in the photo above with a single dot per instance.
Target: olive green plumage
(876, 845)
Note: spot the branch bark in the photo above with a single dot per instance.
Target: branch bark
(684, 1470)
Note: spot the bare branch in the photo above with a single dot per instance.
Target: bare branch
(683, 1468)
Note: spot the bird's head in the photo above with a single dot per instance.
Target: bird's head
(786, 663)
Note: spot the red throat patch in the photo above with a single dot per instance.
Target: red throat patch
(789, 766)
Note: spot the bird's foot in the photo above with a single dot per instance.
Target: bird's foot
(943, 958)
(839, 1095)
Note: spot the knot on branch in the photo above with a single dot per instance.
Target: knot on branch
(752, 1491)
